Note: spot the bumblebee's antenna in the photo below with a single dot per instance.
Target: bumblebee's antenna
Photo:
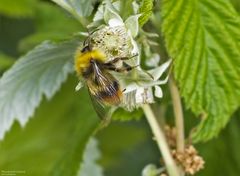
(87, 46)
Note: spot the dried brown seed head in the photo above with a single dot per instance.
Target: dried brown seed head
(189, 160)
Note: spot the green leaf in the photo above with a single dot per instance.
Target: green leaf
(82, 7)
(227, 144)
(123, 11)
(16, 8)
(127, 148)
(146, 11)
(48, 21)
(53, 142)
(78, 8)
(89, 167)
(236, 4)
(40, 72)
(203, 38)
(5, 61)
(123, 115)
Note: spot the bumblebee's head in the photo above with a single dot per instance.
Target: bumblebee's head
(86, 49)
(87, 45)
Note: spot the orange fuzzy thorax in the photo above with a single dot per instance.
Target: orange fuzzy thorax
(82, 60)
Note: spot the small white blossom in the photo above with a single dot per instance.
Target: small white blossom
(116, 39)
(143, 87)
(153, 61)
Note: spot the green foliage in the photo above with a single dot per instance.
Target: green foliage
(53, 142)
(17, 8)
(236, 4)
(78, 8)
(146, 11)
(89, 167)
(5, 61)
(134, 148)
(128, 150)
(123, 12)
(123, 115)
(40, 72)
(82, 7)
(48, 21)
(222, 155)
(10, 37)
(203, 38)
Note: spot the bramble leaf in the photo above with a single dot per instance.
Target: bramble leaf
(48, 21)
(228, 144)
(5, 62)
(123, 115)
(91, 154)
(53, 142)
(16, 8)
(40, 72)
(236, 4)
(146, 11)
(203, 38)
(78, 8)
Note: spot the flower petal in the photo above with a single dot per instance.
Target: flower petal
(144, 95)
(135, 7)
(153, 61)
(129, 101)
(115, 22)
(112, 18)
(131, 87)
(160, 82)
(155, 83)
(157, 72)
(132, 24)
(99, 14)
(158, 92)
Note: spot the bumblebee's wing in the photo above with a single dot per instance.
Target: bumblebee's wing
(104, 87)
(104, 91)
(104, 112)
(101, 110)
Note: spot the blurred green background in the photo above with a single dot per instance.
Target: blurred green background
(55, 131)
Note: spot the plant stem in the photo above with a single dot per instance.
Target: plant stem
(177, 107)
(161, 141)
(178, 113)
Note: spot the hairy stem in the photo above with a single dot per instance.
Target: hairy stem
(177, 107)
(178, 113)
(161, 141)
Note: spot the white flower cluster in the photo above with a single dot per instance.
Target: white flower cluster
(116, 39)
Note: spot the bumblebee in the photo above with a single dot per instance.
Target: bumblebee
(94, 67)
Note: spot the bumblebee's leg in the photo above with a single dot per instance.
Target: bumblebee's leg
(116, 59)
(125, 67)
